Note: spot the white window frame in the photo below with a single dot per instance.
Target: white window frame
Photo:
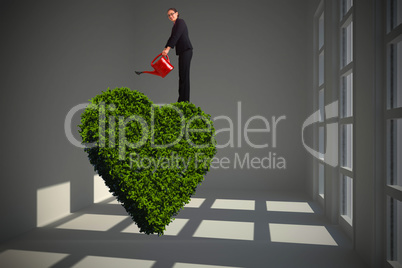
(346, 193)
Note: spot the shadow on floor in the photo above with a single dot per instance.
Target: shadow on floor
(217, 229)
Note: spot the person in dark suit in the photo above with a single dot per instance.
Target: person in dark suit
(179, 39)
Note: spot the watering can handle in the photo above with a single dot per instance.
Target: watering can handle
(167, 57)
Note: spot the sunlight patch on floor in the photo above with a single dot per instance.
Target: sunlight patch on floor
(301, 234)
(22, 258)
(233, 204)
(193, 265)
(173, 228)
(225, 230)
(93, 222)
(281, 206)
(195, 203)
(107, 262)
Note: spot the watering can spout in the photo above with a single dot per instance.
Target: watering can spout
(161, 68)
(150, 72)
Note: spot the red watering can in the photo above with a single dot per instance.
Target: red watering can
(161, 68)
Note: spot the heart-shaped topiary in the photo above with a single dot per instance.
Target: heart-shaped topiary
(151, 157)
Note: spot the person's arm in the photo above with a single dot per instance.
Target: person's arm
(177, 31)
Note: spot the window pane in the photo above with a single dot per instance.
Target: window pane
(395, 76)
(394, 230)
(321, 31)
(394, 152)
(395, 13)
(345, 6)
(321, 179)
(321, 141)
(347, 95)
(347, 44)
(321, 104)
(347, 146)
(347, 196)
(321, 68)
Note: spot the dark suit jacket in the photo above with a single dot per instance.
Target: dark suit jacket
(179, 37)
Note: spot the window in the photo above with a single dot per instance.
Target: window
(395, 75)
(319, 55)
(394, 151)
(346, 100)
(321, 180)
(321, 31)
(394, 14)
(346, 122)
(321, 136)
(393, 119)
(394, 215)
(347, 146)
(347, 201)
(321, 68)
(321, 104)
(347, 44)
(345, 7)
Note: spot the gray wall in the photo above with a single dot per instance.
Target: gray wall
(312, 106)
(370, 230)
(56, 55)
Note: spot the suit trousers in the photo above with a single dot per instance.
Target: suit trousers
(184, 75)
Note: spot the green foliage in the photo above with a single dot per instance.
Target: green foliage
(125, 134)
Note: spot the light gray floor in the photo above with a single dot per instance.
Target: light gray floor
(217, 229)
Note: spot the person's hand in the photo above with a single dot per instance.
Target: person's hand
(165, 51)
